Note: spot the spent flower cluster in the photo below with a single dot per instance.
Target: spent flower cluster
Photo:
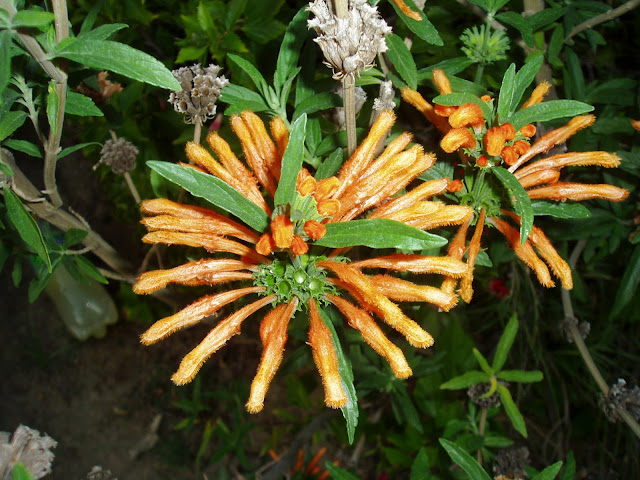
(120, 155)
(201, 88)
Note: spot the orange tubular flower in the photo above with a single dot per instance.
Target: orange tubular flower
(281, 258)
(404, 8)
(458, 138)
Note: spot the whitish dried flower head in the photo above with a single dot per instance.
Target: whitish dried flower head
(98, 473)
(29, 448)
(120, 155)
(621, 397)
(349, 44)
(385, 98)
(201, 89)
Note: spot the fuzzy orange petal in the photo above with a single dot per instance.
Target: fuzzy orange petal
(469, 114)
(441, 81)
(425, 190)
(456, 139)
(539, 177)
(402, 262)
(210, 225)
(578, 192)
(414, 98)
(466, 284)
(572, 159)
(457, 247)
(403, 291)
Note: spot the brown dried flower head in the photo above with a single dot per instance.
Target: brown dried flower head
(349, 44)
(120, 155)
(201, 89)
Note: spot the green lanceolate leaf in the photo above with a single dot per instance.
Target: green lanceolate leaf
(73, 236)
(53, 101)
(520, 376)
(249, 69)
(512, 410)
(465, 461)
(521, 200)
(321, 101)
(70, 150)
(330, 165)
(89, 269)
(505, 343)
(10, 123)
(378, 233)
(506, 101)
(215, 191)
(628, 285)
(484, 365)
(32, 18)
(5, 59)
(461, 98)
(545, 111)
(402, 60)
(81, 105)
(550, 472)
(420, 468)
(424, 28)
(103, 32)
(338, 473)
(466, 380)
(241, 98)
(560, 210)
(24, 146)
(521, 24)
(524, 77)
(291, 163)
(350, 411)
(26, 226)
(290, 47)
(119, 58)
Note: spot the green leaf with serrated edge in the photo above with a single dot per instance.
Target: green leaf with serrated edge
(215, 191)
(484, 365)
(378, 233)
(520, 376)
(89, 269)
(26, 225)
(506, 100)
(460, 98)
(628, 285)
(420, 468)
(560, 210)
(350, 411)
(118, 58)
(523, 79)
(23, 146)
(241, 98)
(569, 470)
(402, 60)
(521, 200)
(81, 105)
(249, 69)
(406, 406)
(520, 23)
(53, 101)
(313, 135)
(466, 380)
(32, 19)
(338, 473)
(330, 165)
(5, 59)
(512, 410)
(10, 123)
(20, 472)
(320, 101)
(464, 460)
(290, 47)
(555, 46)
(291, 163)
(70, 150)
(424, 28)
(550, 472)
(73, 236)
(90, 17)
(505, 343)
(545, 111)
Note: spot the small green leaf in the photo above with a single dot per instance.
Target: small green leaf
(73, 236)
(290, 48)
(424, 28)
(32, 19)
(524, 77)
(215, 191)
(560, 210)
(330, 165)
(405, 406)
(545, 111)
(53, 101)
(507, 90)
(521, 24)
(24, 146)
(521, 200)
(338, 473)
(484, 365)
(26, 225)
(16, 272)
(103, 32)
(402, 60)
(512, 410)
(420, 468)
(320, 101)
(10, 123)
(350, 411)
(520, 376)
(550, 472)
(5, 59)
(252, 71)
(545, 17)
(461, 98)
(6, 169)
(70, 150)
(89, 269)
(291, 163)
(118, 58)
(466, 380)
(505, 343)
(378, 233)
(569, 470)
(628, 285)
(81, 105)
(465, 461)
(20, 472)
(241, 98)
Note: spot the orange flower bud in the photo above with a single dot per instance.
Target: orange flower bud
(265, 245)
(326, 188)
(528, 130)
(328, 208)
(457, 138)
(509, 155)
(482, 161)
(455, 186)
(635, 124)
(306, 186)
(441, 81)
(445, 110)
(485, 98)
(508, 131)
(494, 141)
(314, 229)
(299, 246)
(521, 147)
(467, 114)
(282, 230)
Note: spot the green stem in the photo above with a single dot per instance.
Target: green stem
(479, 71)
(349, 91)
(481, 428)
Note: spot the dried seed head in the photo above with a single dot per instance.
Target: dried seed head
(511, 462)
(621, 397)
(201, 88)
(349, 44)
(385, 98)
(477, 391)
(120, 155)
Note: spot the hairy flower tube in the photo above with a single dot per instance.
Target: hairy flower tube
(493, 154)
(297, 262)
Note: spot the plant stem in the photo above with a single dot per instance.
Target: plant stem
(483, 424)
(605, 17)
(478, 77)
(197, 130)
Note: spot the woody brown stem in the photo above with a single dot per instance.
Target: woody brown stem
(605, 17)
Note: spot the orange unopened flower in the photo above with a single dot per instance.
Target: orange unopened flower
(635, 124)
(455, 186)
(482, 161)
(456, 139)
(441, 81)
(314, 229)
(494, 141)
(528, 130)
(509, 155)
(282, 231)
